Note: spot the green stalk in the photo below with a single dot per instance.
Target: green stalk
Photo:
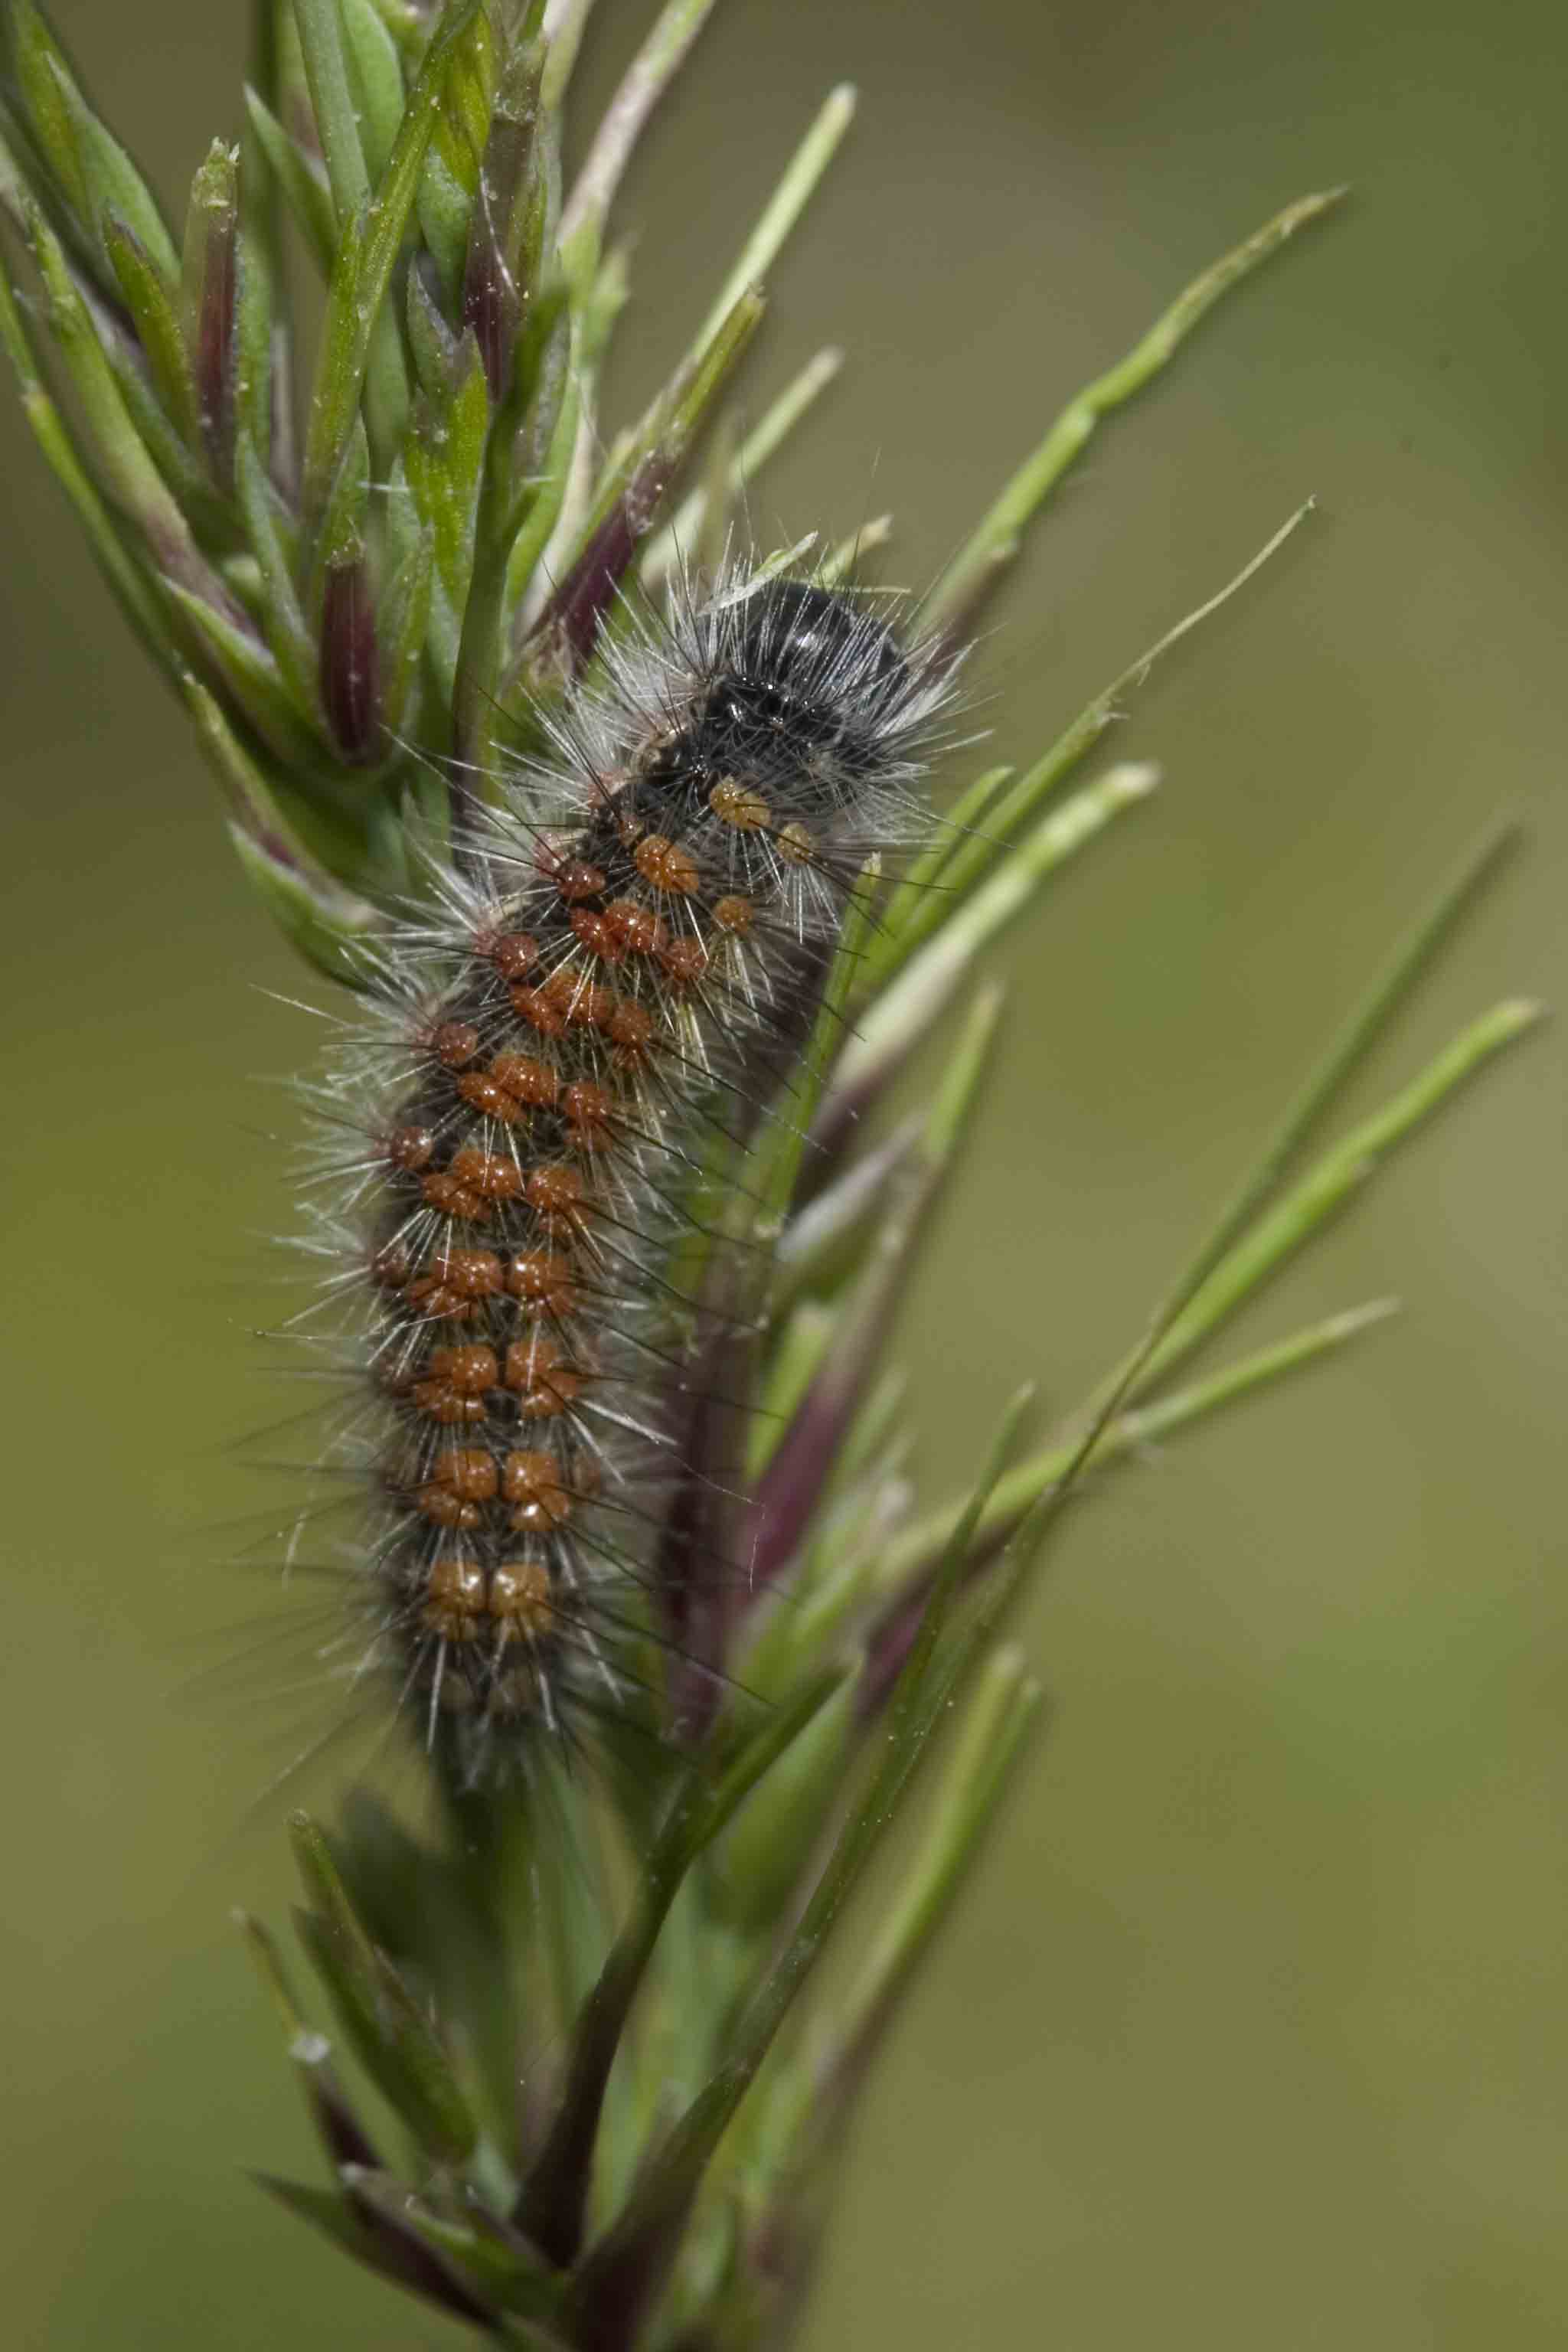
(647, 77)
(786, 205)
(909, 1559)
(969, 857)
(995, 540)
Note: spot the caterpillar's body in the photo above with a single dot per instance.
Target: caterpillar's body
(630, 954)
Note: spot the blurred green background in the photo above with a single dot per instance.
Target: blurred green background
(1253, 2030)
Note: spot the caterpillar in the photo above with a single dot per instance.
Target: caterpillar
(626, 962)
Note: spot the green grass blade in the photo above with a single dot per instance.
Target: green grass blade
(300, 180)
(133, 476)
(912, 1557)
(385, 2021)
(370, 237)
(1311, 1104)
(551, 2204)
(966, 860)
(565, 21)
(776, 1163)
(784, 206)
(903, 1013)
(1330, 1185)
(773, 429)
(998, 1720)
(128, 583)
(626, 2264)
(329, 926)
(375, 80)
(332, 99)
(645, 80)
(955, 825)
(995, 540)
(1340, 1173)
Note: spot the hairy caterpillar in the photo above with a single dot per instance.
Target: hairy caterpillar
(628, 956)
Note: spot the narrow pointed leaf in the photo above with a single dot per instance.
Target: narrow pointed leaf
(375, 78)
(473, 2271)
(384, 2245)
(771, 430)
(1016, 801)
(332, 927)
(44, 79)
(341, 2132)
(646, 79)
(322, 45)
(554, 2196)
(776, 1160)
(255, 298)
(824, 1242)
(157, 323)
(758, 1867)
(302, 180)
(134, 477)
(1324, 1084)
(489, 2257)
(251, 681)
(797, 1354)
(293, 649)
(622, 2271)
(885, 1033)
(405, 620)
(629, 505)
(126, 577)
(516, 437)
(910, 1557)
(1001, 1715)
(113, 184)
(391, 2034)
(995, 540)
(443, 457)
(788, 1493)
(371, 234)
(784, 206)
(209, 281)
(1333, 1183)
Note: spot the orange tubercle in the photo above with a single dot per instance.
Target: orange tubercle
(514, 954)
(591, 1114)
(638, 929)
(542, 1280)
(667, 864)
(483, 1091)
(598, 934)
(455, 1598)
(455, 1043)
(447, 1192)
(557, 1192)
(546, 1381)
(519, 1596)
(684, 963)
(454, 1281)
(493, 1175)
(575, 880)
(455, 1382)
(524, 1076)
(539, 1009)
(531, 1482)
(739, 804)
(410, 1148)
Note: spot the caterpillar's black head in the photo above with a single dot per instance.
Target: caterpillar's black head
(808, 673)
